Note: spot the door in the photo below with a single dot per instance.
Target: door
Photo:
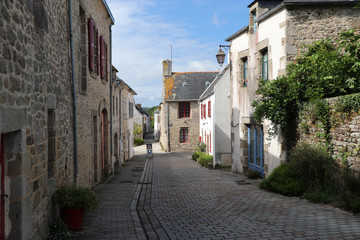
(255, 148)
(2, 200)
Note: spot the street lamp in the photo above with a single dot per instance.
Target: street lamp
(220, 56)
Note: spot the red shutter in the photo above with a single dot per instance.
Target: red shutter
(91, 44)
(209, 109)
(202, 111)
(106, 61)
(102, 58)
(205, 110)
(97, 52)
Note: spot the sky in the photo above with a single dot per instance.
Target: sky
(146, 32)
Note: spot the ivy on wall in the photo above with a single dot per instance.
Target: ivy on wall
(324, 69)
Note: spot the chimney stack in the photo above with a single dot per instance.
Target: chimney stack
(167, 68)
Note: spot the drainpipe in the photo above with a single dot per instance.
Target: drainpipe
(76, 169)
(168, 125)
(111, 105)
(120, 121)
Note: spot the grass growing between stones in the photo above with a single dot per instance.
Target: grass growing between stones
(313, 174)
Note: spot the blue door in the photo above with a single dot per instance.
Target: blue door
(256, 150)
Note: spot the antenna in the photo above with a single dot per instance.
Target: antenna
(171, 52)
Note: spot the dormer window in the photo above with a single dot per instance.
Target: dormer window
(252, 20)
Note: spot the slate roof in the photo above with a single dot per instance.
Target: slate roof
(210, 90)
(141, 110)
(187, 86)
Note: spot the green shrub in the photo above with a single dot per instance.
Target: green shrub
(195, 156)
(314, 167)
(138, 141)
(205, 159)
(75, 197)
(284, 181)
(201, 147)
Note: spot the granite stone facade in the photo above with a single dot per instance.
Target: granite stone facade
(36, 107)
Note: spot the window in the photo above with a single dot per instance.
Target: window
(253, 19)
(184, 109)
(91, 44)
(131, 110)
(184, 135)
(51, 142)
(209, 108)
(245, 71)
(83, 65)
(264, 63)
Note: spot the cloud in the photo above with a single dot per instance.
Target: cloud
(215, 19)
(141, 40)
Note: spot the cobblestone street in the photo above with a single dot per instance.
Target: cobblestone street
(176, 198)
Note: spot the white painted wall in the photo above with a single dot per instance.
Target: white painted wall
(272, 30)
(222, 121)
(207, 124)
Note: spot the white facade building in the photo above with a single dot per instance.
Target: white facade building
(214, 108)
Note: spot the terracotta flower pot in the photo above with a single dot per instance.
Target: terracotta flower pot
(72, 217)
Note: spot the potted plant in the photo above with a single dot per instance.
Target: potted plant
(73, 201)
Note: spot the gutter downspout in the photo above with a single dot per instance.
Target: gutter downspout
(76, 169)
(168, 125)
(120, 121)
(111, 106)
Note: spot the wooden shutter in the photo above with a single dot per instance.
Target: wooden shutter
(106, 61)
(91, 44)
(97, 52)
(209, 109)
(102, 58)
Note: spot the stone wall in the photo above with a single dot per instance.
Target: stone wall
(36, 116)
(306, 24)
(34, 80)
(176, 123)
(344, 133)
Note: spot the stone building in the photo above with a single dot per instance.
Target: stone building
(262, 50)
(127, 108)
(141, 119)
(179, 115)
(37, 106)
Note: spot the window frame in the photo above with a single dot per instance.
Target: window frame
(265, 64)
(182, 111)
(184, 135)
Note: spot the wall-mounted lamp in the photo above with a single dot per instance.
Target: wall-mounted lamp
(117, 83)
(220, 56)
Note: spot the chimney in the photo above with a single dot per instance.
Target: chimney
(167, 68)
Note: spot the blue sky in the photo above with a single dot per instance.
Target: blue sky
(145, 29)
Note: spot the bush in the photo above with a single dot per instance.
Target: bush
(201, 147)
(205, 159)
(314, 167)
(138, 141)
(75, 197)
(284, 181)
(313, 174)
(195, 156)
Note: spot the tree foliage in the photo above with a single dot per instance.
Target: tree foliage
(323, 70)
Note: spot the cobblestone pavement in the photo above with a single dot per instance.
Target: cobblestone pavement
(175, 198)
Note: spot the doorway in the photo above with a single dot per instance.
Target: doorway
(2, 186)
(256, 149)
(104, 143)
